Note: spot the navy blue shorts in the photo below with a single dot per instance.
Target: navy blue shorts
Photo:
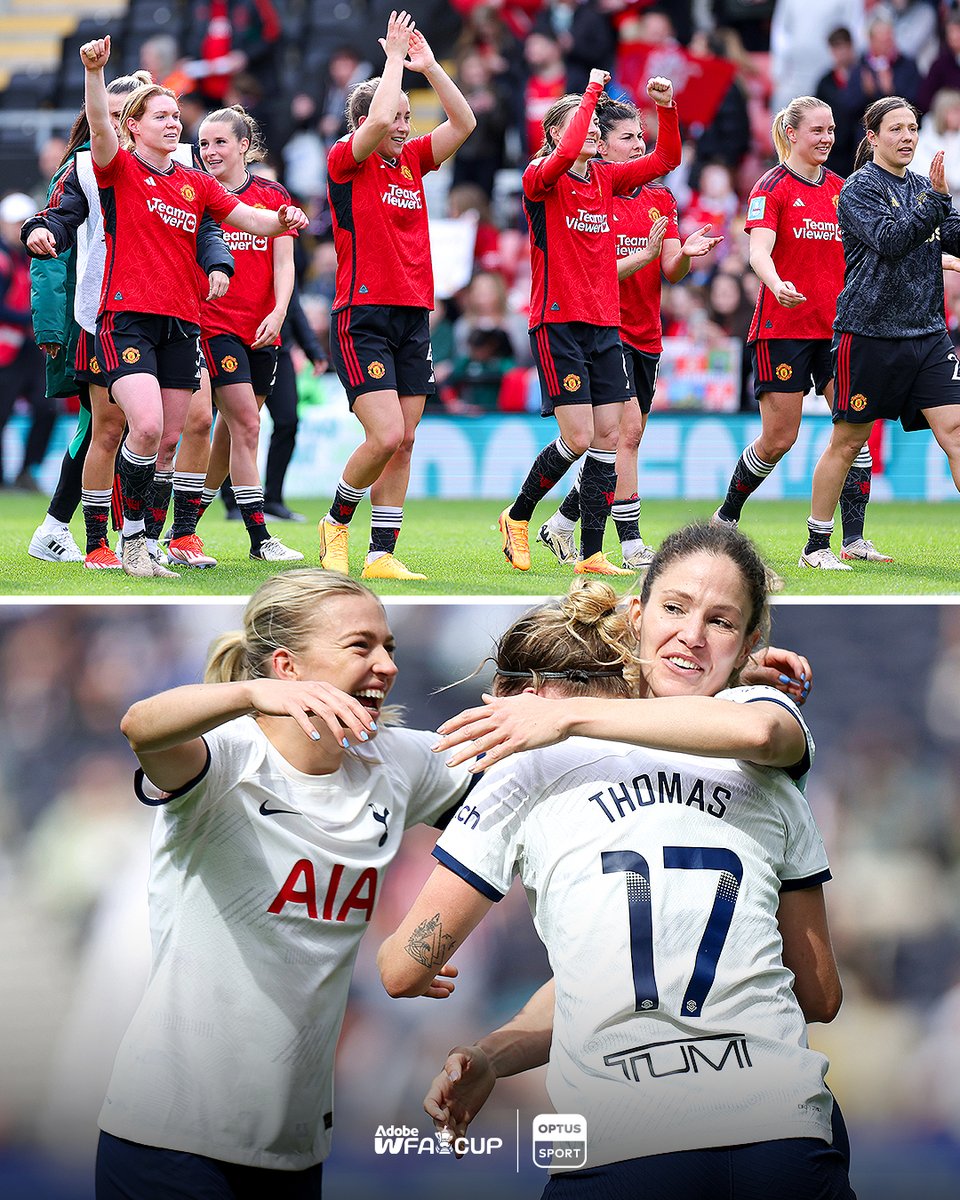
(229, 361)
(579, 364)
(787, 1169)
(129, 1171)
(643, 367)
(894, 378)
(380, 348)
(791, 365)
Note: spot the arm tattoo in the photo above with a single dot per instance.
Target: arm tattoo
(429, 945)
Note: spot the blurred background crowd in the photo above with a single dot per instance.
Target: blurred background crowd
(292, 63)
(885, 789)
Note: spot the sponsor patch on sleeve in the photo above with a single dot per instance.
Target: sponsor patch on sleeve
(757, 208)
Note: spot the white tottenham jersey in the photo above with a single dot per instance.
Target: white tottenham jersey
(654, 880)
(91, 242)
(263, 881)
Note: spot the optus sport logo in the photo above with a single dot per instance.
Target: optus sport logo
(404, 1139)
(560, 1141)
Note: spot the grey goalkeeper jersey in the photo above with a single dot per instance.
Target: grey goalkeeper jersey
(893, 231)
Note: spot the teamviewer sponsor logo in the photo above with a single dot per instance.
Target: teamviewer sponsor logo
(177, 218)
(560, 1141)
(405, 1139)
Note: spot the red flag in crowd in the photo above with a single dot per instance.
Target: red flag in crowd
(699, 83)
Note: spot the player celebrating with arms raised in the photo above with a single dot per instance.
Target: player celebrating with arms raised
(240, 338)
(148, 327)
(648, 250)
(379, 332)
(575, 309)
(893, 357)
(796, 252)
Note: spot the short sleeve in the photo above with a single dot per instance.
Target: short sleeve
(805, 862)
(341, 165)
(218, 201)
(229, 750)
(434, 788)
(763, 210)
(483, 844)
(750, 695)
(107, 176)
(673, 220)
(423, 148)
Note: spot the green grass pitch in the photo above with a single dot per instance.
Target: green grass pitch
(457, 545)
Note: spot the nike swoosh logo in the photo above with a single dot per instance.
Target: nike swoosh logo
(272, 812)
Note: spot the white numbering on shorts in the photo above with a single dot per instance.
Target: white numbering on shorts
(956, 367)
(640, 915)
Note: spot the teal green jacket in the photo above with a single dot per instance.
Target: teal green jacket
(52, 284)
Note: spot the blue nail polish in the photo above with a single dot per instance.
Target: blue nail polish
(345, 744)
(802, 676)
(373, 726)
(784, 678)
(315, 734)
(364, 737)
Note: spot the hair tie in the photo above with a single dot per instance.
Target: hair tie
(575, 674)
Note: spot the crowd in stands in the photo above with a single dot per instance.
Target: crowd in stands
(734, 64)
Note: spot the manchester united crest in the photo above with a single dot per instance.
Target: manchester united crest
(376, 370)
(188, 193)
(572, 383)
(94, 366)
(858, 402)
(406, 172)
(131, 355)
(784, 372)
(228, 363)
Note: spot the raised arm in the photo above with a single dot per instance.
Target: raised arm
(445, 913)
(543, 173)
(104, 143)
(666, 154)
(283, 275)
(164, 731)
(763, 732)
(470, 1072)
(386, 99)
(447, 138)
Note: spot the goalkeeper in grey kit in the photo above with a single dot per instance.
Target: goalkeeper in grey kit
(892, 355)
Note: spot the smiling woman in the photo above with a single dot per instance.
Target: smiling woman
(685, 818)
(280, 801)
(148, 323)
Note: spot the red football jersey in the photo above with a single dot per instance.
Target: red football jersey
(380, 227)
(633, 217)
(250, 295)
(808, 252)
(150, 221)
(572, 244)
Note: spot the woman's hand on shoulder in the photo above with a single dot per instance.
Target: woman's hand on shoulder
(784, 670)
(504, 726)
(343, 715)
